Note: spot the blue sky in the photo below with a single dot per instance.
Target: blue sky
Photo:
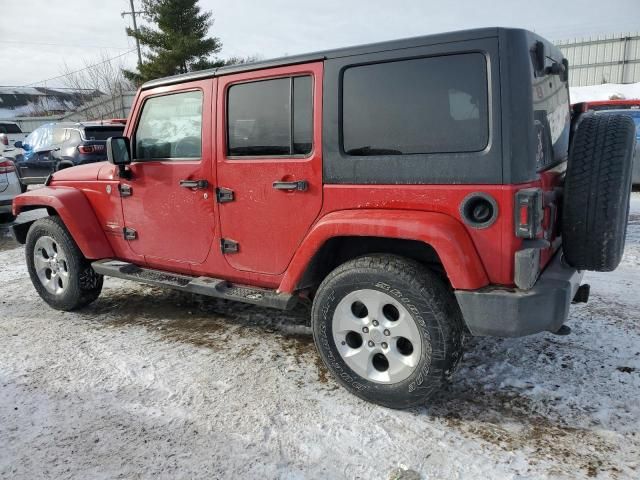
(37, 37)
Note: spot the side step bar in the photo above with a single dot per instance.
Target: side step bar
(212, 287)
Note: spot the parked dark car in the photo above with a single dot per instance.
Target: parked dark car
(55, 146)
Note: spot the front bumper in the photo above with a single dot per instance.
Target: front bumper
(502, 312)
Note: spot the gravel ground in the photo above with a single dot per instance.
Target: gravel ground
(151, 383)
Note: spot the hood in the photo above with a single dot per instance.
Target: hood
(78, 173)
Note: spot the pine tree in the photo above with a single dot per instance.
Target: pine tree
(178, 44)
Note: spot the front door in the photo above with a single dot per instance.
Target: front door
(270, 156)
(168, 203)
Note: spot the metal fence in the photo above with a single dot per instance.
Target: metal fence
(610, 59)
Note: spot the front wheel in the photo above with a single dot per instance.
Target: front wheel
(58, 270)
(388, 329)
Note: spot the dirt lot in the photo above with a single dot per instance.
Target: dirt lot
(150, 383)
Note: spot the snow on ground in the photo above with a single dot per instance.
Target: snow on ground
(606, 91)
(152, 383)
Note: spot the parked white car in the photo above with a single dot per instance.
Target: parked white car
(10, 133)
(10, 186)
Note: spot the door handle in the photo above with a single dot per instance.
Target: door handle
(194, 183)
(300, 185)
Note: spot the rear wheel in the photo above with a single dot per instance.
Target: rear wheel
(388, 329)
(58, 270)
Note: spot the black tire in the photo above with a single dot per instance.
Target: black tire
(82, 286)
(597, 192)
(7, 217)
(432, 307)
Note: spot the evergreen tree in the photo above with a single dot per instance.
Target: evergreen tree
(178, 43)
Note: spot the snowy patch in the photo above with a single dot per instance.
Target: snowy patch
(147, 382)
(606, 91)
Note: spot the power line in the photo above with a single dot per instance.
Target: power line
(62, 45)
(80, 70)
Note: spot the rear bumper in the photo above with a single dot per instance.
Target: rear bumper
(5, 205)
(501, 312)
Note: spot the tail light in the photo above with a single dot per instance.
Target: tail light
(85, 148)
(90, 148)
(4, 139)
(7, 166)
(529, 212)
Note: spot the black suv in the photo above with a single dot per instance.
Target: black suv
(54, 146)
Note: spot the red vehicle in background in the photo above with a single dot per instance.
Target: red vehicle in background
(599, 105)
(412, 192)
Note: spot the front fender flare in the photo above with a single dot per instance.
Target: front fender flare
(75, 211)
(445, 234)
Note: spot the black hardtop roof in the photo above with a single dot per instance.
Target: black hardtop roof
(426, 40)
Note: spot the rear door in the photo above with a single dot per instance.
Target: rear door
(270, 157)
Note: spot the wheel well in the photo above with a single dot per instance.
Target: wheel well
(21, 229)
(338, 250)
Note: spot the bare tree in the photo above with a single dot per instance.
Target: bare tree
(102, 79)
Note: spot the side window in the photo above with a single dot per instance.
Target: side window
(417, 106)
(270, 117)
(73, 136)
(170, 127)
(9, 128)
(58, 136)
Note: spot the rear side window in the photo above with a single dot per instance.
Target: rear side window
(417, 106)
(9, 128)
(170, 127)
(102, 133)
(58, 135)
(270, 117)
(72, 136)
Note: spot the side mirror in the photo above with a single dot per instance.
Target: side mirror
(18, 144)
(119, 153)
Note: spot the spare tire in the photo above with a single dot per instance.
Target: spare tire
(597, 191)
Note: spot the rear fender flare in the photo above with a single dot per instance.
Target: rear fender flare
(445, 234)
(73, 208)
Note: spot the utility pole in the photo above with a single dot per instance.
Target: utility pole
(133, 14)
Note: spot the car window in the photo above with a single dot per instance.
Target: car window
(170, 127)
(9, 128)
(58, 135)
(270, 117)
(102, 133)
(423, 105)
(73, 136)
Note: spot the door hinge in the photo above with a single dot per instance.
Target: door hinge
(224, 195)
(228, 246)
(125, 190)
(129, 233)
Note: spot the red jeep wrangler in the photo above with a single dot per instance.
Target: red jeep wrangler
(415, 190)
